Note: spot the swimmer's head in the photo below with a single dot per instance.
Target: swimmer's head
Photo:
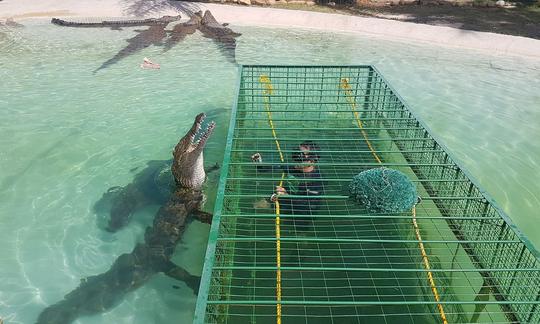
(307, 153)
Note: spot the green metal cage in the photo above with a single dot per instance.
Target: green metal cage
(454, 258)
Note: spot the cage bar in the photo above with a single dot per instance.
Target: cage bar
(455, 258)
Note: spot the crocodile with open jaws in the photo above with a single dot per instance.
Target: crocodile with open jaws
(131, 270)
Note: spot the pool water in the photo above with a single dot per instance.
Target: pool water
(68, 135)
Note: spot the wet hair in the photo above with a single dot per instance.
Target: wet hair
(311, 155)
(311, 146)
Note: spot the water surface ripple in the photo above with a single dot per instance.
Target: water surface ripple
(67, 135)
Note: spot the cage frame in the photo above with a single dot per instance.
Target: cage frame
(509, 227)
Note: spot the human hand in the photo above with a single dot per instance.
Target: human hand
(256, 158)
(280, 190)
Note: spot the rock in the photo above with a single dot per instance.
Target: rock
(310, 3)
(500, 3)
(245, 2)
(296, 2)
(258, 2)
(271, 2)
(331, 4)
(11, 23)
(261, 204)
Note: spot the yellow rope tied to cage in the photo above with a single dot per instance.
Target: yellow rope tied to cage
(265, 80)
(425, 260)
(346, 86)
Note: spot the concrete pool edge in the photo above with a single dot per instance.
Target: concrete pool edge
(495, 44)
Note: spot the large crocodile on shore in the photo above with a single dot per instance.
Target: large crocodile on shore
(131, 270)
(224, 36)
(117, 24)
(180, 31)
(210, 28)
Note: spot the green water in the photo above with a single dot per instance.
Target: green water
(67, 135)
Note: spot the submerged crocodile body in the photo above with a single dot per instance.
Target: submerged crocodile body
(131, 270)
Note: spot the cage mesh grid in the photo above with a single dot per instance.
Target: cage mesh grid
(349, 265)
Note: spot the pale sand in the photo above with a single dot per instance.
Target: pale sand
(256, 16)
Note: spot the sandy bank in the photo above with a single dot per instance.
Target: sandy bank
(382, 28)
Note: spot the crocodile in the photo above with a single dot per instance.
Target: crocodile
(180, 31)
(117, 24)
(156, 34)
(131, 270)
(152, 185)
(224, 36)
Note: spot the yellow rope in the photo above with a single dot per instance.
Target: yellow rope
(425, 260)
(265, 80)
(346, 86)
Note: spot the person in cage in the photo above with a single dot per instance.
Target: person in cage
(302, 179)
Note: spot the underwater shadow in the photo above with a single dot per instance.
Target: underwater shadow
(154, 35)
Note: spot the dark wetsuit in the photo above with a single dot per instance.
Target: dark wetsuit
(298, 183)
(301, 186)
